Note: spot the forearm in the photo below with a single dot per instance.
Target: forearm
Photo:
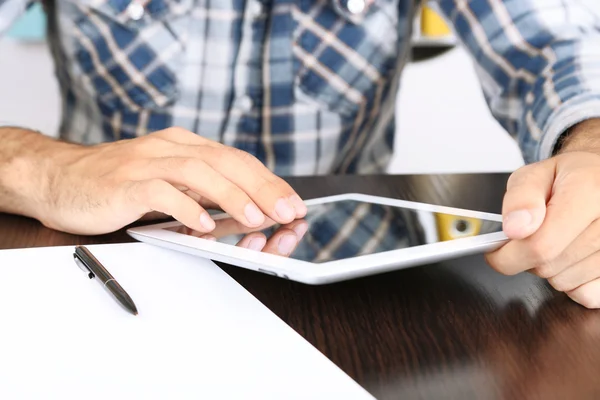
(25, 159)
(584, 136)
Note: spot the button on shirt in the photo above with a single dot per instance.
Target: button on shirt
(309, 86)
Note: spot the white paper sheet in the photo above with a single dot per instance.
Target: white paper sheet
(199, 334)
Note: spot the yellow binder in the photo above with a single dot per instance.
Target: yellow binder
(432, 24)
(455, 227)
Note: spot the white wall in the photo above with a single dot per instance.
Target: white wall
(444, 124)
(28, 89)
(437, 131)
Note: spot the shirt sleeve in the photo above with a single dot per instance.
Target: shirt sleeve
(538, 62)
(10, 11)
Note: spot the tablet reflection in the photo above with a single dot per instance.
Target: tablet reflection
(345, 229)
(283, 239)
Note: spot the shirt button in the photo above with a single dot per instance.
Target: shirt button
(245, 103)
(135, 11)
(356, 6)
(256, 9)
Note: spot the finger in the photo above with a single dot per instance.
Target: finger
(229, 226)
(299, 226)
(208, 236)
(201, 178)
(569, 212)
(208, 204)
(272, 194)
(199, 234)
(285, 240)
(203, 201)
(158, 195)
(585, 245)
(192, 232)
(294, 198)
(588, 295)
(254, 241)
(195, 196)
(524, 204)
(576, 275)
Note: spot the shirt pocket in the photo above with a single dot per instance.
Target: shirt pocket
(126, 53)
(343, 60)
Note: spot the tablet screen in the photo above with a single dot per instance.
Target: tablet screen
(345, 229)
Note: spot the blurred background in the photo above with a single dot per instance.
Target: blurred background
(437, 132)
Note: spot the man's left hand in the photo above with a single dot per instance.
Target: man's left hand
(551, 213)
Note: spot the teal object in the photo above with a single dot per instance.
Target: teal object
(31, 26)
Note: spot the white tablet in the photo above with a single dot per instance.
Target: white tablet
(342, 237)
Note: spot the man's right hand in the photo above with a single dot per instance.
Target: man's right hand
(102, 188)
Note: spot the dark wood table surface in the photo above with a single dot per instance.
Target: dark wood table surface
(454, 330)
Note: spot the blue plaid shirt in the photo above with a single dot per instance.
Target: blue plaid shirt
(309, 86)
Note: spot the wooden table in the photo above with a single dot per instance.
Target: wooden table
(450, 330)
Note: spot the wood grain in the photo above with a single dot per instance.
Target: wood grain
(454, 330)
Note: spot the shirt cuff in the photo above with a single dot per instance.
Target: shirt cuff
(569, 114)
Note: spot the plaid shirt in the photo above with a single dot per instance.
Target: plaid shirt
(309, 86)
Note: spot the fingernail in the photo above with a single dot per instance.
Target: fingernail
(300, 230)
(517, 220)
(253, 214)
(210, 237)
(286, 244)
(257, 243)
(298, 205)
(206, 221)
(284, 210)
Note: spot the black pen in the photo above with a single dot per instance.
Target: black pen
(88, 263)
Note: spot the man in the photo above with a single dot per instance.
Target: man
(307, 87)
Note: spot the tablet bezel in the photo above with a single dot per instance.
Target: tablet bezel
(331, 271)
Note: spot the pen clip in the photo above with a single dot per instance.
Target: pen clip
(83, 267)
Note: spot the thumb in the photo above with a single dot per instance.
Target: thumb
(524, 205)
